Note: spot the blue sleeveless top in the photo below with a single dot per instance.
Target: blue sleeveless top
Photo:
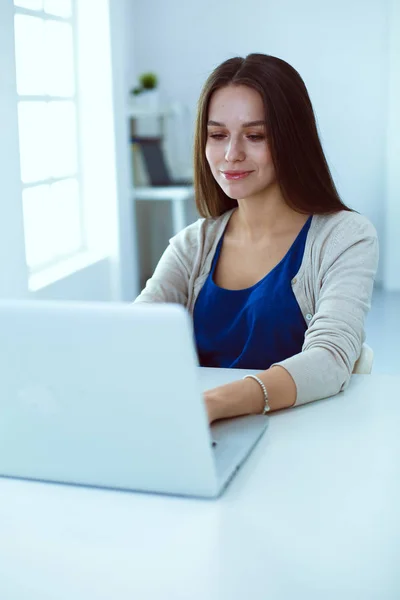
(255, 327)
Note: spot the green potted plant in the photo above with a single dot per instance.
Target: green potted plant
(148, 81)
(146, 93)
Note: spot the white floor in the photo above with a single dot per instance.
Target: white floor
(383, 331)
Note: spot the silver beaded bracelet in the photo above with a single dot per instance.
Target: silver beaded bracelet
(267, 407)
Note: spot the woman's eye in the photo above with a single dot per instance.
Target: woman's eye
(217, 136)
(256, 137)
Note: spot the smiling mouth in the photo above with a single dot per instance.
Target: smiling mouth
(235, 175)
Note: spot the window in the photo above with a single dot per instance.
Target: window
(45, 49)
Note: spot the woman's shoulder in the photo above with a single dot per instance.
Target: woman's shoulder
(339, 234)
(346, 226)
(200, 236)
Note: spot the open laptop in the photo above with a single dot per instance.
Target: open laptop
(110, 395)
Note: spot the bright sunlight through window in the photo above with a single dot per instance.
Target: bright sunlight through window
(48, 131)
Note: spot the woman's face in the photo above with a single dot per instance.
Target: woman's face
(237, 149)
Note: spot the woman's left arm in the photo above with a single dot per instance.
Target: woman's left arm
(332, 342)
(245, 396)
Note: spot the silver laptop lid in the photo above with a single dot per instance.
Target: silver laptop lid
(103, 394)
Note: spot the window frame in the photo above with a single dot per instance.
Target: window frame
(74, 98)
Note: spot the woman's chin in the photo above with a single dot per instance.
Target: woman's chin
(238, 190)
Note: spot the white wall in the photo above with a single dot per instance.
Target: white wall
(104, 149)
(340, 48)
(91, 283)
(392, 246)
(126, 276)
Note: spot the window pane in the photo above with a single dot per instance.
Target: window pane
(60, 8)
(67, 219)
(60, 59)
(30, 55)
(44, 57)
(48, 140)
(38, 225)
(33, 141)
(32, 4)
(62, 139)
(52, 222)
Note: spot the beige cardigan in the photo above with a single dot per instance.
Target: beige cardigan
(333, 288)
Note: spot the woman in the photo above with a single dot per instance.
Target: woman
(278, 274)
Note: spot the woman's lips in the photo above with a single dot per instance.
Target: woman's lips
(235, 175)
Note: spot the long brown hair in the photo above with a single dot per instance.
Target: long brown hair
(300, 164)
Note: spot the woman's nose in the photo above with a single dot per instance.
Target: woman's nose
(234, 151)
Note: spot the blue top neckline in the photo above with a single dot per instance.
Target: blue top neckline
(307, 224)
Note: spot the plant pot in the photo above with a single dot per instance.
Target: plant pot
(147, 99)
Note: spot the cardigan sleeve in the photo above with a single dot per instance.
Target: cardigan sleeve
(170, 281)
(334, 338)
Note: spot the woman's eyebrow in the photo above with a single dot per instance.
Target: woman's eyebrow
(248, 124)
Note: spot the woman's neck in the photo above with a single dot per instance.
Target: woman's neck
(264, 217)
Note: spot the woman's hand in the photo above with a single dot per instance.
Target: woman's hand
(210, 402)
(240, 397)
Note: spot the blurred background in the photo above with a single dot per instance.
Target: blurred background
(97, 108)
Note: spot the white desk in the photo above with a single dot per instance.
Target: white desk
(314, 514)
